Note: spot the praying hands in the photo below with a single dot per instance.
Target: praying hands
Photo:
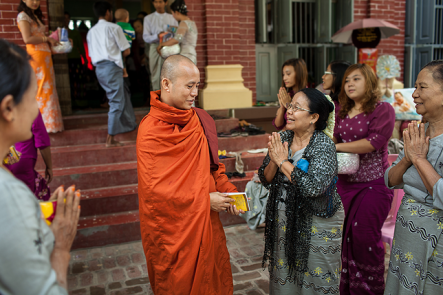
(278, 151)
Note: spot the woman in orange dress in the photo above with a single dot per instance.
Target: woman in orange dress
(30, 23)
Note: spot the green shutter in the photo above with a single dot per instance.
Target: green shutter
(347, 53)
(324, 20)
(261, 22)
(267, 77)
(284, 19)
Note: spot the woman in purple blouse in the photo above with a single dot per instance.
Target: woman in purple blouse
(363, 126)
(24, 169)
(294, 78)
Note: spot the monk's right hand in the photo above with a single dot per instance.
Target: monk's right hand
(219, 201)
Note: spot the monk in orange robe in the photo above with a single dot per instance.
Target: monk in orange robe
(180, 188)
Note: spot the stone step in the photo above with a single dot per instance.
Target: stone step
(241, 143)
(90, 135)
(123, 227)
(88, 120)
(117, 183)
(101, 230)
(109, 200)
(97, 154)
(95, 176)
(251, 162)
(87, 155)
(97, 135)
(240, 182)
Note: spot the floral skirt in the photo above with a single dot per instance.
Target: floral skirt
(323, 274)
(416, 263)
(24, 171)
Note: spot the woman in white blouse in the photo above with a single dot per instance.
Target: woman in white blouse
(186, 33)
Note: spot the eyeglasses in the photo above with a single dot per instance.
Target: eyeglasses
(295, 108)
(329, 73)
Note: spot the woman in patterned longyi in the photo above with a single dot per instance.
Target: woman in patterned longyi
(416, 264)
(363, 126)
(304, 214)
(30, 23)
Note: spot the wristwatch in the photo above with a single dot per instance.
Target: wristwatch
(285, 160)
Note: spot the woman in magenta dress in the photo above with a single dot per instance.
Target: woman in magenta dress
(294, 78)
(363, 126)
(24, 169)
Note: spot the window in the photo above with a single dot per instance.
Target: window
(298, 29)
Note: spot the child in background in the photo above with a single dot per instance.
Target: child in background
(122, 19)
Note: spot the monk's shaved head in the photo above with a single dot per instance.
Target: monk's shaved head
(180, 79)
(174, 65)
(121, 15)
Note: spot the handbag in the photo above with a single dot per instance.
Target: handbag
(167, 51)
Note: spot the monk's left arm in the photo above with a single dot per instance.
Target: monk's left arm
(222, 181)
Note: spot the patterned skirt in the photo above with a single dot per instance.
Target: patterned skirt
(323, 275)
(416, 263)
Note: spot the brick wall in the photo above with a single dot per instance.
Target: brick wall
(226, 35)
(8, 20)
(391, 11)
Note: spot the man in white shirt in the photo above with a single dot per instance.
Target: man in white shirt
(153, 25)
(107, 43)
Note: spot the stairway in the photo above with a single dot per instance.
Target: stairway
(107, 177)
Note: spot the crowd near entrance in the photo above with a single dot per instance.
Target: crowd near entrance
(86, 92)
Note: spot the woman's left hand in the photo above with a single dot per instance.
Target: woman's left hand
(278, 151)
(416, 142)
(159, 48)
(48, 175)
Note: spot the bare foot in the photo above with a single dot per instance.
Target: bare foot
(111, 142)
(261, 225)
(105, 105)
(125, 73)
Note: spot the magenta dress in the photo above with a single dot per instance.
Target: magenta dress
(24, 169)
(366, 201)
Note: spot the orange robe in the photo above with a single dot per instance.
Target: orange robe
(183, 239)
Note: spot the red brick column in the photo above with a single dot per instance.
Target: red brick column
(226, 35)
(8, 20)
(393, 12)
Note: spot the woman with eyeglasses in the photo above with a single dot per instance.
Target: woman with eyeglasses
(333, 78)
(363, 126)
(294, 78)
(304, 213)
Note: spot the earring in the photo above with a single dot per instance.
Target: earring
(311, 123)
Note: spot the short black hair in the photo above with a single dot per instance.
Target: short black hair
(142, 13)
(101, 7)
(318, 104)
(338, 67)
(14, 64)
(67, 13)
(436, 67)
(163, 0)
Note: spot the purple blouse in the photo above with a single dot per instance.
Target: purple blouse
(39, 140)
(377, 128)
